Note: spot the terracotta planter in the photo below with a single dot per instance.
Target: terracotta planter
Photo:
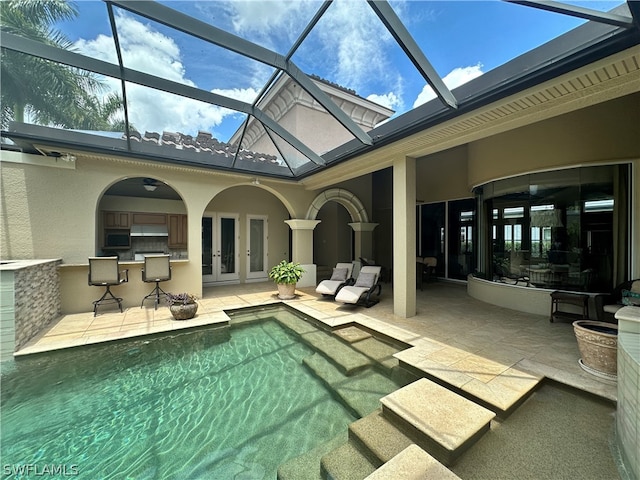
(286, 291)
(184, 312)
(598, 345)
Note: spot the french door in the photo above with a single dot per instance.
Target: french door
(257, 247)
(220, 248)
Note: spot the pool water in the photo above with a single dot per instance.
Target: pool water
(226, 403)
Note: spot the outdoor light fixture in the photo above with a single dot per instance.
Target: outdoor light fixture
(150, 184)
(66, 157)
(255, 181)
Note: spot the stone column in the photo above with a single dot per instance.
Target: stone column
(404, 237)
(302, 248)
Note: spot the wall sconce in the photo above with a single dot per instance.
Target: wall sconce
(150, 188)
(255, 181)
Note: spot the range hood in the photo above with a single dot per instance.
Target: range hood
(149, 231)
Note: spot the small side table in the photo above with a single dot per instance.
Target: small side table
(568, 298)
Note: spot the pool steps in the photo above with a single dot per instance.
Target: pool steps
(403, 426)
(413, 463)
(422, 417)
(502, 393)
(360, 393)
(447, 403)
(437, 419)
(346, 463)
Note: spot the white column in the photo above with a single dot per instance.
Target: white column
(363, 239)
(404, 237)
(302, 248)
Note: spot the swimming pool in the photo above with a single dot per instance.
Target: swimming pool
(231, 402)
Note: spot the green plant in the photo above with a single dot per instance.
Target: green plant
(286, 272)
(180, 298)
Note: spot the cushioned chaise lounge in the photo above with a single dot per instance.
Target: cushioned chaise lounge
(366, 284)
(341, 276)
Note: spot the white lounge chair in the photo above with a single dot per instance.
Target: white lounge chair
(366, 284)
(340, 277)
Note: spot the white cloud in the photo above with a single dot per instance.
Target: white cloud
(354, 40)
(247, 95)
(149, 51)
(347, 46)
(263, 20)
(389, 100)
(455, 78)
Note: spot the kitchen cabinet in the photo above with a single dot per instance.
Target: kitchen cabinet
(117, 219)
(177, 230)
(139, 218)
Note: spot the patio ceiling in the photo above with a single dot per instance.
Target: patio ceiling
(288, 153)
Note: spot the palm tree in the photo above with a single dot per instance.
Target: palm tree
(47, 92)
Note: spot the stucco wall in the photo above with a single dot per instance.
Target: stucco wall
(601, 133)
(442, 176)
(47, 212)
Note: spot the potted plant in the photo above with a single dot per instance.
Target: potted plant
(286, 275)
(183, 306)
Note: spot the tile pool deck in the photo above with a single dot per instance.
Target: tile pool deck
(489, 352)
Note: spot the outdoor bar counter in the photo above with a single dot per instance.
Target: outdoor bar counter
(77, 295)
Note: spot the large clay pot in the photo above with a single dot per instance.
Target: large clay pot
(184, 312)
(598, 345)
(286, 291)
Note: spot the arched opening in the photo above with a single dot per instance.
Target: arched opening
(334, 239)
(141, 215)
(241, 240)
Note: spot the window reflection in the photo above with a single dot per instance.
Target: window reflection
(453, 239)
(556, 228)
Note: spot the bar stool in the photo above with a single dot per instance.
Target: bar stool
(104, 272)
(156, 269)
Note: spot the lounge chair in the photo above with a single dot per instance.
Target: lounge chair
(361, 291)
(340, 277)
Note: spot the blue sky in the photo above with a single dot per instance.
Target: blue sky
(349, 46)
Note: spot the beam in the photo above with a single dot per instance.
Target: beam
(412, 50)
(580, 12)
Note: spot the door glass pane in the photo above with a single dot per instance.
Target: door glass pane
(461, 238)
(432, 226)
(227, 245)
(256, 241)
(207, 253)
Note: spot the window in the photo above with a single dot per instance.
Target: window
(447, 232)
(557, 227)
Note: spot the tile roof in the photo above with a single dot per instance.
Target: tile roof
(204, 142)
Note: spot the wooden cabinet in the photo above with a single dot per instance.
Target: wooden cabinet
(138, 218)
(117, 220)
(177, 230)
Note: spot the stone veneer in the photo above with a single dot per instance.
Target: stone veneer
(628, 412)
(30, 300)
